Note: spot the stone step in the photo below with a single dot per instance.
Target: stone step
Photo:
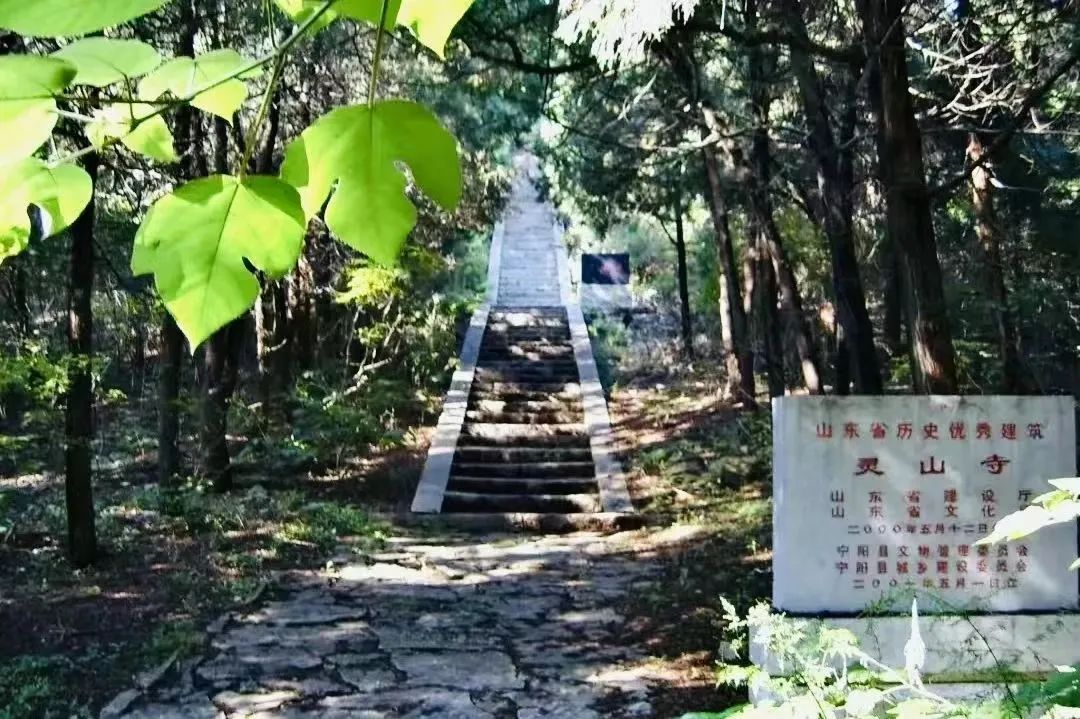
(480, 394)
(521, 485)
(546, 387)
(479, 455)
(538, 503)
(544, 328)
(524, 435)
(551, 353)
(527, 470)
(551, 404)
(523, 522)
(519, 375)
(529, 417)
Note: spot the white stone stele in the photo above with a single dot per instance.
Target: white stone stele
(845, 537)
(605, 298)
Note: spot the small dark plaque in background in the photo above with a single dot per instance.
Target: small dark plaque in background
(607, 269)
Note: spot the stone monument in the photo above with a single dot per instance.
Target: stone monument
(877, 500)
(605, 283)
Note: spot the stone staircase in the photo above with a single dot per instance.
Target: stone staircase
(523, 446)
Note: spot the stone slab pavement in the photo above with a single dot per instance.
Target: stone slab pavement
(504, 627)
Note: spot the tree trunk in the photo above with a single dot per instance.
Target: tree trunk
(79, 493)
(303, 311)
(762, 296)
(219, 382)
(171, 358)
(989, 232)
(836, 201)
(910, 223)
(275, 360)
(684, 283)
(735, 337)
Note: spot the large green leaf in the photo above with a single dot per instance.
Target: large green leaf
(151, 135)
(432, 21)
(53, 18)
(198, 240)
(61, 193)
(102, 61)
(300, 10)
(357, 149)
(184, 76)
(27, 110)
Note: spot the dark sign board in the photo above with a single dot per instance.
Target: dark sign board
(607, 269)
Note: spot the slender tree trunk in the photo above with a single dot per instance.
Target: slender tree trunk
(837, 211)
(171, 358)
(764, 318)
(79, 493)
(220, 372)
(910, 221)
(737, 350)
(275, 356)
(893, 298)
(220, 361)
(989, 232)
(303, 311)
(684, 282)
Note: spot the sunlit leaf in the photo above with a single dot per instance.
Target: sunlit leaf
(27, 109)
(184, 76)
(102, 61)
(369, 11)
(198, 241)
(1029, 520)
(1075, 565)
(61, 193)
(54, 18)
(151, 136)
(357, 150)
(301, 10)
(1068, 484)
(432, 21)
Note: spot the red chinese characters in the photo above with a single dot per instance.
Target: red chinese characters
(867, 465)
(995, 463)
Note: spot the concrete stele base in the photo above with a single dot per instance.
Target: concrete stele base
(964, 654)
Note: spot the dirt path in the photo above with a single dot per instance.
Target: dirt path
(459, 628)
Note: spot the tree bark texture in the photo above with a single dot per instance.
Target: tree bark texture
(686, 321)
(79, 424)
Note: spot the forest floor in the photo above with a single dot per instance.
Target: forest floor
(288, 537)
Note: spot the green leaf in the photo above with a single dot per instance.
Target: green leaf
(357, 149)
(369, 11)
(1031, 519)
(53, 18)
(196, 242)
(300, 10)
(101, 61)
(151, 136)
(432, 21)
(1075, 565)
(27, 110)
(184, 76)
(1068, 484)
(62, 193)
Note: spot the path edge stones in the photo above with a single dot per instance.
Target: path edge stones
(440, 458)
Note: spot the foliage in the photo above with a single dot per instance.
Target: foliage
(827, 674)
(354, 148)
(1059, 506)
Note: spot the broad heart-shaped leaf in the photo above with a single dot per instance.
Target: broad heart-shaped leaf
(432, 21)
(61, 193)
(358, 148)
(300, 10)
(151, 136)
(196, 242)
(54, 18)
(183, 76)
(27, 110)
(102, 61)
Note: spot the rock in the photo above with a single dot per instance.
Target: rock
(249, 703)
(294, 613)
(369, 680)
(120, 704)
(193, 707)
(463, 670)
